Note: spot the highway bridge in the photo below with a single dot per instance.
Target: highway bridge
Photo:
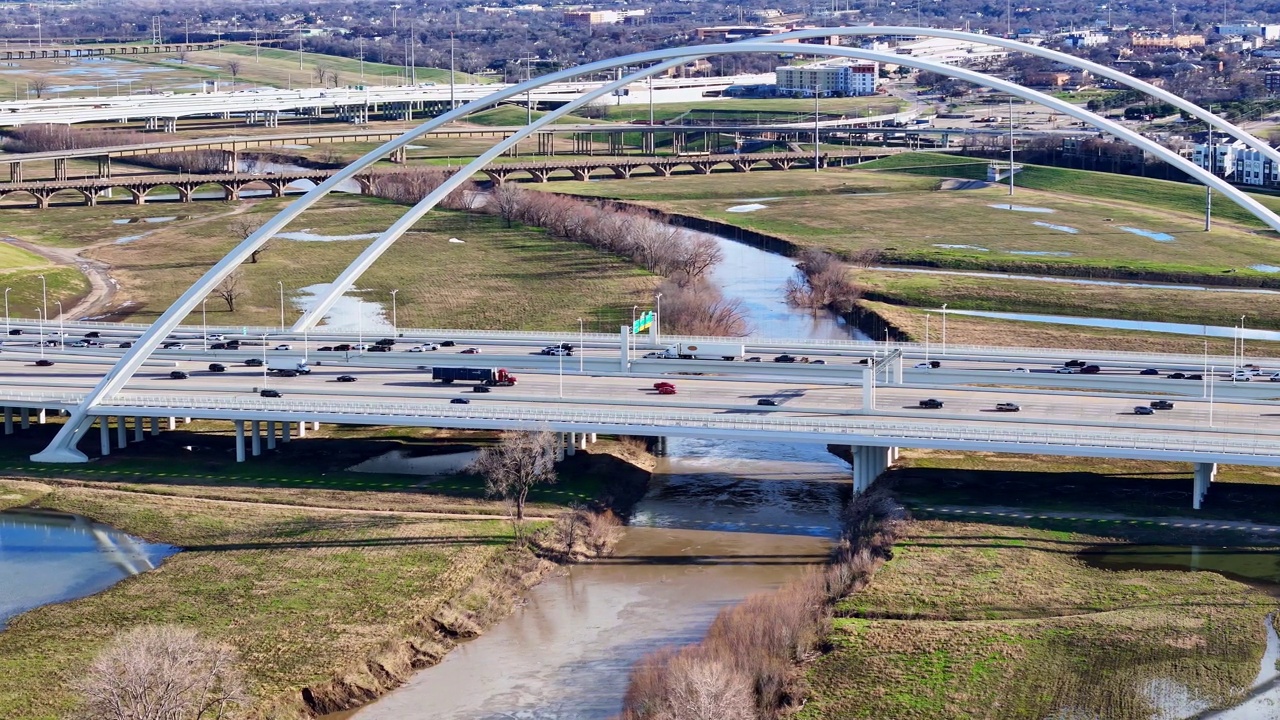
(607, 387)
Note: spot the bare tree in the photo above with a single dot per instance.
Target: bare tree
(822, 281)
(163, 672)
(321, 73)
(231, 289)
(244, 226)
(520, 460)
(182, 56)
(38, 86)
(233, 67)
(507, 200)
(334, 78)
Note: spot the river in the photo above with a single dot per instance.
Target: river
(721, 520)
(49, 557)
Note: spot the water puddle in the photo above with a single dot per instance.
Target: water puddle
(1059, 228)
(135, 221)
(294, 147)
(1021, 208)
(1265, 268)
(131, 238)
(1142, 325)
(945, 246)
(456, 241)
(1152, 234)
(1042, 253)
(752, 207)
(50, 557)
(348, 313)
(400, 462)
(308, 236)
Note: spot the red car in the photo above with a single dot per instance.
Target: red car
(660, 385)
(667, 390)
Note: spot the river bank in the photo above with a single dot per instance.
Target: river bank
(329, 605)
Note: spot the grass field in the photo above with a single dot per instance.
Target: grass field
(20, 272)
(987, 621)
(747, 108)
(959, 292)
(497, 277)
(302, 593)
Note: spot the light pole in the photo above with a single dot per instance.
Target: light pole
(204, 323)
(560, 357)
(633, 332)
(62, 336)
(926, 337)
(394, 324)
(1213, 371)
(40, 316)
(281, 284)
(944, 329)
(6, 309)
(44, 295)
(1242, 340)
(657, 319)
(582, 335)
(264, 360)
(306, 345)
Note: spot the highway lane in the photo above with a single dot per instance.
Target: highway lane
(709, 395)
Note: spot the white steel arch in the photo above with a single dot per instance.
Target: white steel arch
(63, 447)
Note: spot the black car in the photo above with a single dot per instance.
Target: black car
(386, 341)
(1161, 405)
(480, 389)
(447, 343)
(1143, 410)
(253, 362)
(178, 375)
(16, 331)
(93, 334)
(1150, 371)
(218, 346)
(217, 367)
(460, 401)
(1090, 370)
(286, 373)
(785, 359)
(346, 378)
(1176, 376)
(342, 348)
(126, 345)
(381, 348)
(767, 401)
(233, 344)
(1075, 363)
(754, 358)
(326, 348)
(270, 393)
(42, 362)
(932, 403)
(1197, 376)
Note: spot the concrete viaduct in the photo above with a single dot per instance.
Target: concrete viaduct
(83, 51)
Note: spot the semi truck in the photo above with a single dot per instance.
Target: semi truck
(486, 376)
(705, 351)
(288, 365)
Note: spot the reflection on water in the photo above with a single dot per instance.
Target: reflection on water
(756, 277)
(48, 557)
(721, 521)
(349, 313)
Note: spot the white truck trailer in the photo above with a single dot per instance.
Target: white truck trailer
(291, 364)
(705, 351)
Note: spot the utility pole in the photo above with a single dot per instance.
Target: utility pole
(817, 164)
(256, 46)
(188, 29)
(361, 42)
(299, 48)
(1010, 146)
(413, 61)
(1208, 191)
(452, 104)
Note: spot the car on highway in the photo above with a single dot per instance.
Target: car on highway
(80, 344)
(126, 345)
(653, 356)
(178, 375)
(767, 401)
(553, 351)
(381, 348)
(460, 401)
(342, 348)
(923, 366)
(785, 358)
(481, 388)
(931, 403)
(44, 362)
(1067, 370)
(216, 337)
(173, 346)
(1275, 377)
(15, 331)
(1019, 370)
(1161, 405)
(1175, 376)
(661, 384)
(1143, 410)
(387, 342)
(346, 378)
(217, 367)
(1149, 371)
(667, 390)
(471, 351)
(1007, 407)
(1075, 363)
(1090, 369)
(424, 347)
(818, 362)
(268, 392)
(93, 334)
(218, 346)
(1241, 376)
(1197, 376)
(283, 346)
(253, 362)
(325, 348)
(447, 343)
(754, 358)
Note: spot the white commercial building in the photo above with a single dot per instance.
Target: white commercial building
(843, 78)
(1266, 32)
(1236, 162)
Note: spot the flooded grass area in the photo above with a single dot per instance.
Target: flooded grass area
(993, 621)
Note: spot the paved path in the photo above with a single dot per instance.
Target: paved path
(1103, 519)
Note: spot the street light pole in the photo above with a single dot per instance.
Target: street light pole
(926, 337)
(581, 344)
(44, 295)
(40, 316)
(264, 360)
(944, 329)
(394, 324)
(62, 335)
(204, 323)
(281, 284)
(560, 357)
(1242, 341)
(6, 309)
(657, 319)
(633, 332)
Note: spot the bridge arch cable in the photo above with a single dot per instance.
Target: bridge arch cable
(63, 446)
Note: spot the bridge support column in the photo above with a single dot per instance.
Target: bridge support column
(593, 438)
(256, 443)
(271, 434)
(302, 429)
(173, 423)
(239, 441)
(1204, 474)
(155, 426)
(286, 431)
(8, 421)
(897, 371)
(122, 433)
(560, 443)
(15, 172)
(171, 125)
(26, 419)
(868, 388)
(582, 441)
(104, 166)
(315, 426)
(59, 168)
(137, 429)
(571, 443)
(41, 416)
(104, 434)
(869, 463)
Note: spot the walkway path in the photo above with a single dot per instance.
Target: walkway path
(1100, 518)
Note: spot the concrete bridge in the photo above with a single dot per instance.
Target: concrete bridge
(623, 167)
(83, 51)
(93, 189)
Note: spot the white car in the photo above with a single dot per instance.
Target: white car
(1068, 370)
(1275, 377)
(284, 346)
(360, 346)
(555, 351)
(1020, 370)
(216, 337)
(80, 344)
(416, 348)
(653, 356)
(1241, 376)
(922, 366)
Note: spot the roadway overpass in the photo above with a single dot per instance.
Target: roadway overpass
(840, 402)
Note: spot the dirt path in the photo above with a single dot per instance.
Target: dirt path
(1102, 519)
